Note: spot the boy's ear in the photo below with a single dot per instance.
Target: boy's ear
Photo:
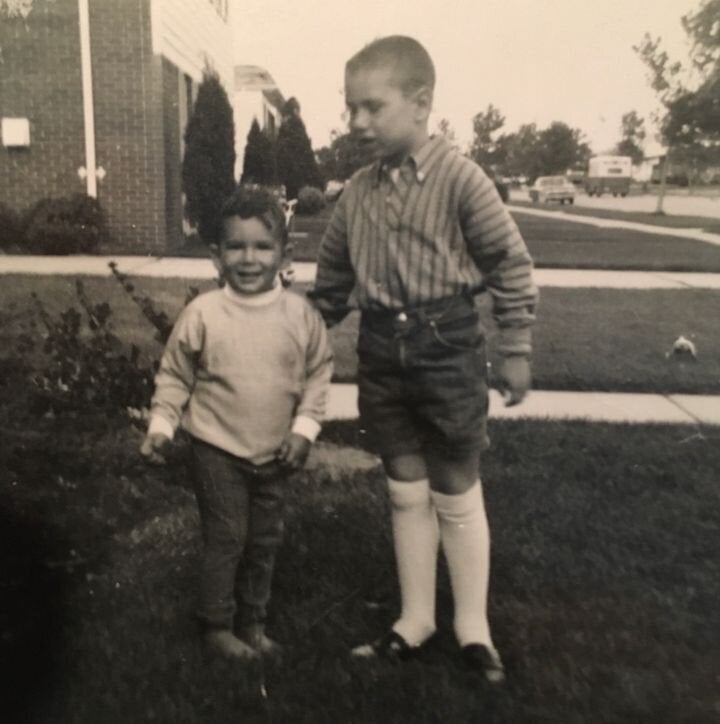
(215, 256)
(287, 255)
(424, 101)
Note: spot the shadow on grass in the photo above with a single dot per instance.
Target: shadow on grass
(604, 586)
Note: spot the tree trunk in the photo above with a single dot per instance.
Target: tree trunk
(663, 179)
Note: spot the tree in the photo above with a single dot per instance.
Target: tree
(561, 148)
(341, 158)
(690, 96)
(632, 128)
(445, 130)
(532, 153)
(517, 153)
(259, 161)
(483, 148)
(296, 164)
(207, 169)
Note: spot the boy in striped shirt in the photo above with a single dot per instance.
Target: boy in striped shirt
(414, 236)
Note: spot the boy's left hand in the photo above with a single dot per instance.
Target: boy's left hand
(294, 451)
(514, 378)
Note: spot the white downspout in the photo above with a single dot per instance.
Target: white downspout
(88, 101)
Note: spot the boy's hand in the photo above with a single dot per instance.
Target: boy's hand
(153, 448)
(294, 451)
(514, 378)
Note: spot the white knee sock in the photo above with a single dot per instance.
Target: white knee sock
(415, 532)
(466, 542)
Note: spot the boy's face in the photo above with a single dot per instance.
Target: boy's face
(387, 121)
(249, 256)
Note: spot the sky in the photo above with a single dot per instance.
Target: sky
(537, 61)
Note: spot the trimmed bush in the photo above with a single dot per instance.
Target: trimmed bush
(310, 201)
(11, 232)
(69, 225)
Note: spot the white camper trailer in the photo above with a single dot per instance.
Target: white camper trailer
(608, 173)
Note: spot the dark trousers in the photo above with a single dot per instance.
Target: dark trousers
(241, 515)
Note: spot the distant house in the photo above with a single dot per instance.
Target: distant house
(255, 95)
(95, 96)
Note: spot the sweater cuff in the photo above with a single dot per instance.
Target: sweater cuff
(306, 426)
(159, 425)
(515, 341)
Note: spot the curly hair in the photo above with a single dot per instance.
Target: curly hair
(256, 202)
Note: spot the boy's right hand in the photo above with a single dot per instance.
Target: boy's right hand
(154, 447)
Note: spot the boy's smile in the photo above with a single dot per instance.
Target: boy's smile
(250, 256)
(387, 121)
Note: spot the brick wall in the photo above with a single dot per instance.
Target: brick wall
(40, 79)
(173, 181)
(130, 143)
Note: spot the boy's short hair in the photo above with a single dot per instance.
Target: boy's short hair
(258, 202)
(406, 56)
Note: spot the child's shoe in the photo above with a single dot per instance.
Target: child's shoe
(254, 635)
(391, 646)
(485, 660)
(223, 642)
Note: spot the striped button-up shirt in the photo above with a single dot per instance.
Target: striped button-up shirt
(433, 228)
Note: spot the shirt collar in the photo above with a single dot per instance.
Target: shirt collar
(422, 161)
(254, 300)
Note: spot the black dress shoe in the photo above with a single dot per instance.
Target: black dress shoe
(391, 646)
(485, 660)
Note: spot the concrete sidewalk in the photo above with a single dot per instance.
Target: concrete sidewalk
(176, 267)
(695, 234)
(591, 406)
(594, 406)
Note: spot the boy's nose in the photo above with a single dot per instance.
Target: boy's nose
(359, 121)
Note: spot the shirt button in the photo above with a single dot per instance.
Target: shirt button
(402, 317)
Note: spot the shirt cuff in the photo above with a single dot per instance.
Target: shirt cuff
(306, 426)
(159, 425)
(515, 341)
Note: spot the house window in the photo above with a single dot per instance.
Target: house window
(185, 105)
(269, 123)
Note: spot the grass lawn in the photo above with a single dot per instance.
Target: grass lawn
(604, 340)
(672, 221)
(585, 339)
(604, 580)
(555, 243)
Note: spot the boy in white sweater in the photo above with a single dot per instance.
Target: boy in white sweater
(247, 372)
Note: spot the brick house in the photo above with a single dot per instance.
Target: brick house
(145, 59)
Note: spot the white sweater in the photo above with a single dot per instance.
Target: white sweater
(240, 372)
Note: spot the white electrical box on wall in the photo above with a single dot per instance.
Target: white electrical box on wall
(15, 132)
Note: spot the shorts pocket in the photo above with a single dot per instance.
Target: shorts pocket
(463, 335)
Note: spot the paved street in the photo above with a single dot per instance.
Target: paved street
(676, 203)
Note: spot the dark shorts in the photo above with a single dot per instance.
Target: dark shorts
(422, 379)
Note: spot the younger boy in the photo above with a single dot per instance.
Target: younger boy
(250, 366)
(413, 237)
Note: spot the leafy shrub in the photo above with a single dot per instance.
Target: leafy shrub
(69, 225)
(310, 201)
(11, 232)
(158, 319)
(86, 364)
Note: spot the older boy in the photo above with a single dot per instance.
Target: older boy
(414, 236)
(250, 367)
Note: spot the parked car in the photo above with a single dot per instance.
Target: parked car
(552, 188)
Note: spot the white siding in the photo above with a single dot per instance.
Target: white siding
(191, 34)
(249, 104)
